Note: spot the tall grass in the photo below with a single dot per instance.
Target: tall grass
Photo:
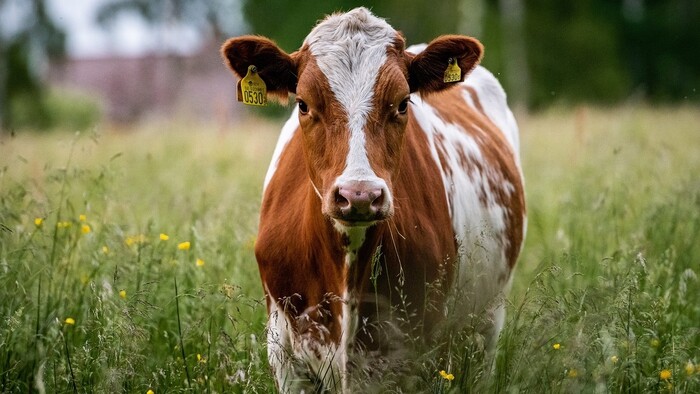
(605, 296)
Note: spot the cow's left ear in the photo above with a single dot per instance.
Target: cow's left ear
(426, 70)
(276, 68)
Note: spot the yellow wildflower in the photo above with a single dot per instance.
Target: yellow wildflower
(64, 224)
(689, 368)
(614, 359)
(85, 229)
(200, 262)
(122, 293)
(572, 373)
(82, 218)
(447, 376)
(184, 245)
(38, 222)
(654, 342)
(164, 237)
(556, 346)
(201, 359)
(105, 249)
(69, 320)
(665, 374)
(150, 392)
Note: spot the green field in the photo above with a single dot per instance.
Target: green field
(93, 298)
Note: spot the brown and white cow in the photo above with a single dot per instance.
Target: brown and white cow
(386, 183)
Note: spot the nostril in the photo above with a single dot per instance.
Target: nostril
(378, 200)
(340, 200)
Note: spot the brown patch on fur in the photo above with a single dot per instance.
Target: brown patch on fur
(475, 98)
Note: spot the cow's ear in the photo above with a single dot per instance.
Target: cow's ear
(276, 68)
(426, 70)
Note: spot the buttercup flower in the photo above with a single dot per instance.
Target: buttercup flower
(447, 376)
(38, 222)
(122, 294)
(556, 346)
(164, 237)
(69, 320)
(654, 342)
(614, 359)
(82, 218)
(184, 245)
(665, 374)
(199, 262)
(201, 359)
(150, 392)
(572, 373)
(105, 249)
(85, 229)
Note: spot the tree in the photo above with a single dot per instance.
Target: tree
(28, 39)
(215, 18)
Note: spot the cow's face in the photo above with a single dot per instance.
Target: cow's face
(353, 79)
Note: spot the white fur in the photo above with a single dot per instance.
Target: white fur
(493, 101)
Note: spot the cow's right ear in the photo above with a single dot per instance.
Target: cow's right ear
(276, 68)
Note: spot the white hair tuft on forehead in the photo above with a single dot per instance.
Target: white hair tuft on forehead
(350, 49)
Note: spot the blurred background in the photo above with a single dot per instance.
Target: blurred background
(72, 64)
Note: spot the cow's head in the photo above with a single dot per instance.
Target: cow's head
(353, 81)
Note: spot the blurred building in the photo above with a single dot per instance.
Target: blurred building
(130, 89)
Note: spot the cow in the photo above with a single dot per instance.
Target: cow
(389, 189)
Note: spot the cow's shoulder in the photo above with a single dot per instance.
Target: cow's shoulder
(490, 99)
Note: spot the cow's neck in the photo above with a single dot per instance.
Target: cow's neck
(358, 246)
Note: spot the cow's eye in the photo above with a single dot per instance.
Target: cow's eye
(403, 107)
(303, 108)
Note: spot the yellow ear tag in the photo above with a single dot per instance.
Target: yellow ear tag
(453, 73)
(252, 89)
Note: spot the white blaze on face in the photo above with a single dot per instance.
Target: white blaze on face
(350, 49)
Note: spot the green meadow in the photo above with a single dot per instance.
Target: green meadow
(126, 261)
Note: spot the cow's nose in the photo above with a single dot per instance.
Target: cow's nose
(360, 201)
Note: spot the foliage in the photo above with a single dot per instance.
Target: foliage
(584, 51)
(56, 109)
(215, 17)
(25, 44)
(93, 228)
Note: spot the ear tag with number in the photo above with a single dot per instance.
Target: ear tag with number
(252, 89)
(453, 73)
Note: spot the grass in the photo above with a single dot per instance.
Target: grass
(605, 298)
